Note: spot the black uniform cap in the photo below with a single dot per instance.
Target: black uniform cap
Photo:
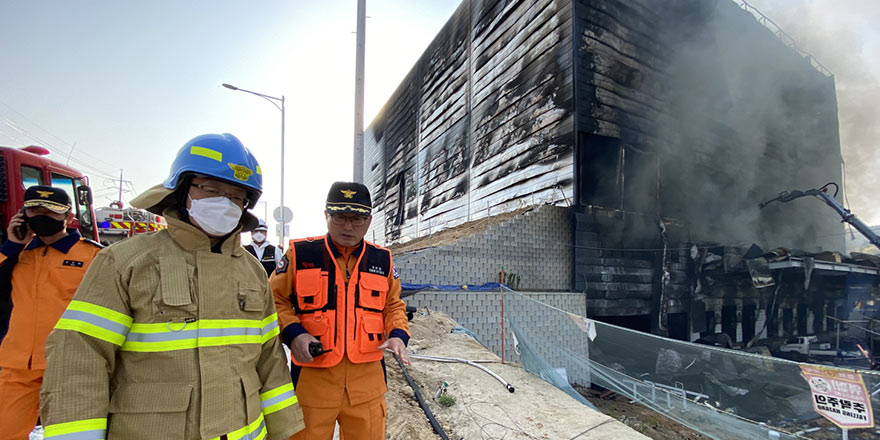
(349, 197)
(50, 197)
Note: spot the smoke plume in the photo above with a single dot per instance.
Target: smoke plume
(843, 36)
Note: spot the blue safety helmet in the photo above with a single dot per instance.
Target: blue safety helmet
(219, 156)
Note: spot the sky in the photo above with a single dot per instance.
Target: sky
(124, 84)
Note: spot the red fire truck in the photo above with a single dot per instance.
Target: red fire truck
(28, 166)
(117, 222)
(24, 167)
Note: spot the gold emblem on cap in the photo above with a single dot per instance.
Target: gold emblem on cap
(347, 193)
(45, 194)
(241, 172)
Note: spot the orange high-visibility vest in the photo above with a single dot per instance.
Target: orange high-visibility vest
(345, 317)
(44, 280)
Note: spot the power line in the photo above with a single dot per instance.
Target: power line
(52, 148)
(56, 150)
(52, 134)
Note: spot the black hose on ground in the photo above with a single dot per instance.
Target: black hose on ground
(437, 428)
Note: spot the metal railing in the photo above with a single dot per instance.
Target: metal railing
(785, 38)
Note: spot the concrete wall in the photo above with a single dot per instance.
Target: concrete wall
(533, 247)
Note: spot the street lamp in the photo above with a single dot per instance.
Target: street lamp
(274, 102)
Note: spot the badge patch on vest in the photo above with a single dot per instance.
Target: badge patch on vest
(72, 263)
(282, 265)
(376, 270)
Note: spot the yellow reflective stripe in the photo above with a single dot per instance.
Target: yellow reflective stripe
(270, 327)
(58, 429)
(276, 391)
(91, 330)
(280, 405)
(113, 315)
(272, 333)
(95, 321)
(268, 319)
(213, 341)
(170, 336)
(259, 171)
(163, 327)
(256, 430)
(210, 154)
(278, 398)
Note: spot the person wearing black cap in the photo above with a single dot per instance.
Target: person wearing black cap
(338, 300)
(44, 271)
(266, 253)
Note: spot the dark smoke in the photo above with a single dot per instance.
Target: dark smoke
(843, 35)
(748, 118)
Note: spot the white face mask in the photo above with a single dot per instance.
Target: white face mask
(217, 216)
(259, 237)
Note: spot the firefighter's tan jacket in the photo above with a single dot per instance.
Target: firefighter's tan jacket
(167, 339)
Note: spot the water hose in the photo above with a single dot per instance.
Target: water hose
(463, 361)
(437, 428)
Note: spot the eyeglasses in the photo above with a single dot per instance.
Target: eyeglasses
(213, 191)
(355, 220)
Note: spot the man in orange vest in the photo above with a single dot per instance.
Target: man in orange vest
(44, 272)
(338, 301)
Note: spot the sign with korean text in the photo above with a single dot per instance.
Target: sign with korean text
(840, 396)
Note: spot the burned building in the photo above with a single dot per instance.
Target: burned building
(658, 127)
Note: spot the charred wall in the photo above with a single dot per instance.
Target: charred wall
(663, 123)
(690, 113)
(694, 111)
(481, 125)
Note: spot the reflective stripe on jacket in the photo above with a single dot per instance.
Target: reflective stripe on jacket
(167, 339)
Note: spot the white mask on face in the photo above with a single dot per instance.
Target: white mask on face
(259, 237)
(217, 216)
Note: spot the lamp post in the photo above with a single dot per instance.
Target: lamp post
(265, 210)
(274, 101)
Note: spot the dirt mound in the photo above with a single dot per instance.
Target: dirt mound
(456, 233)
(483, 408)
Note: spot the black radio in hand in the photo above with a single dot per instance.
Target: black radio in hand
(316, 349)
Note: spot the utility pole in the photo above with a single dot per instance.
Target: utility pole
(122, 181)
(120, 186)
(359, 94)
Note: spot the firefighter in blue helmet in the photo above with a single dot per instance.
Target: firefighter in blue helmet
(173, 334)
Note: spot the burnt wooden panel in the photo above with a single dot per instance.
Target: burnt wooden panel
(483, 124)
(522, 116)
(387, 143)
